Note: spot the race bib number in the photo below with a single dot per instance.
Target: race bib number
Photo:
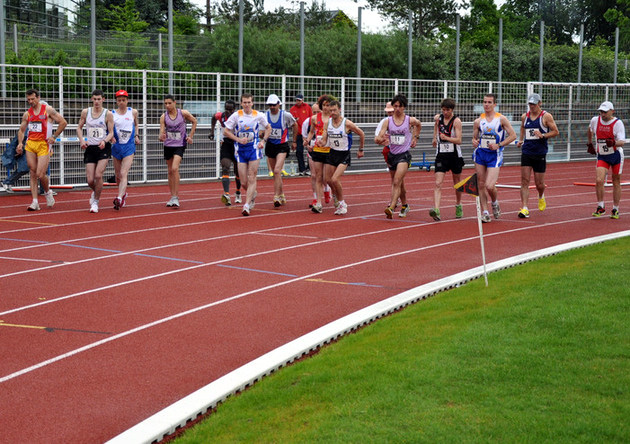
(276, 133)
(486, 140)
(447, 147)
(124, 136)
(174, 135)
(246, 134)
(397, 139)
(97, 133)
(35, 127)
(529, 134)
(603, 149)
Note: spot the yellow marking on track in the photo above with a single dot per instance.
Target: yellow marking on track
(327, 282)
(36, 327)
(28, 222)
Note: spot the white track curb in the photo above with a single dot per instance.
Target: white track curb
(177, 415)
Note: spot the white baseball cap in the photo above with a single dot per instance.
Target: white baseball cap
(606, 106)
(273, 100)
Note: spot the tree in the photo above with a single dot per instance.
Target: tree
(427, 18)
(620, 17)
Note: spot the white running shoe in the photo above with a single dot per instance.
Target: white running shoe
(94, 206)
(34, 206)
(173, 202)
(237, 197)
(246, 209)
(50, 200)
(92, 198)
(341, 209)
(225, 198)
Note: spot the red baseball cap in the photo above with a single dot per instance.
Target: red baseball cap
(121, 93)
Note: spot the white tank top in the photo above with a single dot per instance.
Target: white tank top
(337, 136)
(96, 127)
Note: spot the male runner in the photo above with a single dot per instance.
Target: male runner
(277, 147)
(537, 126)
(401, 133)
(447, 138)
(39, 144)
(489, 139)
(124, 148)
(99, 126)
(173, 134)
(338, 136)
(609, 134)
(226, 155)
(243, 128)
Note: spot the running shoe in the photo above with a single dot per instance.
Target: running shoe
(92, 198)
(404, 211)
(496, 210)
(117, 203)
(485, 218)
(270, 173)
(459, 211)
(326, 196)
(524, 213)
(335, 201)
(614, 214)
(252, 204)
(94, 207)
(284, 173)
(435, 214)
(50, 200)
(33, 207)
(237, 198)
(389, 212)
(225, 198)
(246, 209)
(283, 200)
(123, 201)
(276, 201)
(312, 204)
(542, 203)
(317, 208)
(8, 188)
(173, 202)
(342, 209)
(599, 211)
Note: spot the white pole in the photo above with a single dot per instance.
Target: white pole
(483, 248)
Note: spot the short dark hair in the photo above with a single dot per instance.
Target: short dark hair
(230, 102)
(492, 95)
(402, 100)
(32, 91)
(448, 103)
(97, 92)
(170, 97)
(334, 103)
(247, 96)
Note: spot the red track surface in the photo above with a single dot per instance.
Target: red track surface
(108, 318)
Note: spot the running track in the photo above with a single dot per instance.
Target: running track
(108, 318)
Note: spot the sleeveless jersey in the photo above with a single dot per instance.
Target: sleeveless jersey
(279, 130)
(490, 132)
(247, 126)
(175, 129)
(533, 145)
(124, 128)
(399, 136)
(603, 133)
(96, 127)
(38, 127)
(338, 138)
(444, 147)
(319, 131)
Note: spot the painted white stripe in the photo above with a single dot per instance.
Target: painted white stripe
(165, 422)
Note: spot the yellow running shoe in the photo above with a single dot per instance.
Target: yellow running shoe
(542, 203)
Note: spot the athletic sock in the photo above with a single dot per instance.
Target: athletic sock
(226, 183)
(600, 204)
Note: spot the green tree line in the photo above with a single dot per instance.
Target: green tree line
(272, 39)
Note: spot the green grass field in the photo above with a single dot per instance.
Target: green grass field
(541, 355)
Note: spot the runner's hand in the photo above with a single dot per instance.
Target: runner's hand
(590, 148)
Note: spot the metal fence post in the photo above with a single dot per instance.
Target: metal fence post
(569, 122)
(145, 151)
(61, 150)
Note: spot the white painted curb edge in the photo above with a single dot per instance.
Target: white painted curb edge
(177, 415)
